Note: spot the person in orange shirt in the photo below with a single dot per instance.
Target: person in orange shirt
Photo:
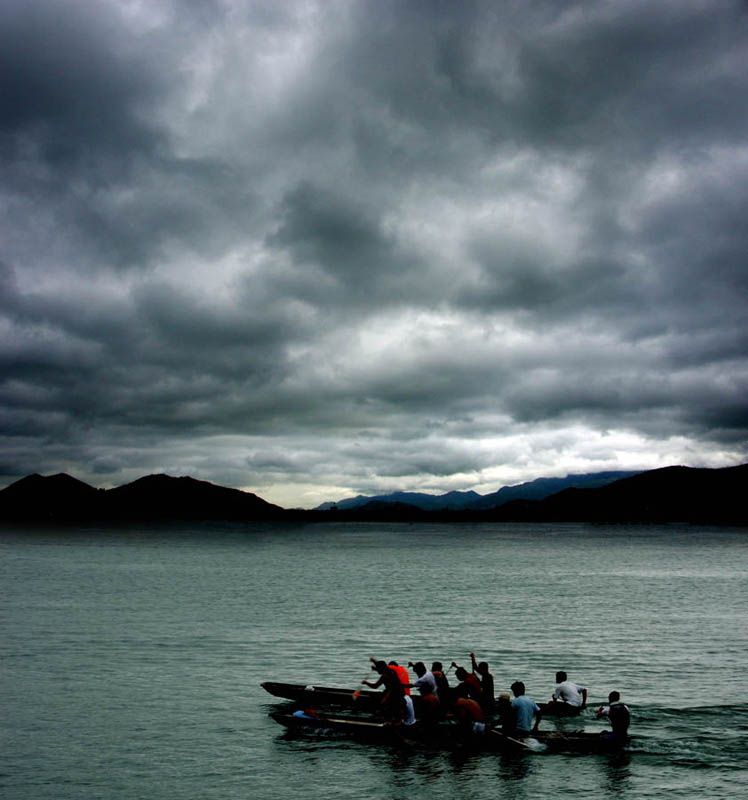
(468, 714)
(402, 673)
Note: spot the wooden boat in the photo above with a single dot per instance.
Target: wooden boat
(355, 726)
(314, 696)
(560, 709)
(581, 741)
(445, 735)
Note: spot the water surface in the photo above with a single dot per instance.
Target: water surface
(132, 657)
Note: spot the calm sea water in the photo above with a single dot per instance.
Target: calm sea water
(132, 658)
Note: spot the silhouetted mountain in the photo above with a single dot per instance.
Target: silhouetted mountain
(61, 498)
(538, 489)
(541, 488)
(165, 497)
(427, 502)
(52, 498)
(670, 494)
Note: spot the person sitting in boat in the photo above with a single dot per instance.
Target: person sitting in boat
(505, 713)
(393, 706)
(525, 708)
(430, 707)
(442, 683)
(472, 684)
(425, 680)
(410, 713)
(486, 684)
(468, 714)
(568, 692)
(619, 716)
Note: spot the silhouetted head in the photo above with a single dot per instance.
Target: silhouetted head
(560, 677)
(461, 673)
(419, 668)
(393, 664)
(614, 697)
(437, 666)
(518, 688)
(379, 666)
(483, 667)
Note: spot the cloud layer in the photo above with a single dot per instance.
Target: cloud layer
(317, 249)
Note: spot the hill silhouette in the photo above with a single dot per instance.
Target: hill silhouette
(62, 498)
(671, 494)
(538, 489)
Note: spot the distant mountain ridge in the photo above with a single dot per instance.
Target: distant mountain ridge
(538, 489)
(61, 498)
(670, 494)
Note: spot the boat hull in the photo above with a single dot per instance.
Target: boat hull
(448, 736)
(560, 709)
(314, 696)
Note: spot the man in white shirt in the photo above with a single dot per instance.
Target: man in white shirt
(568, 692)
(426, 679)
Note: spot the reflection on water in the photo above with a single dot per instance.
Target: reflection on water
(617, 767)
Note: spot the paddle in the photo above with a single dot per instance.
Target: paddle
(357, 693)
(537, 747)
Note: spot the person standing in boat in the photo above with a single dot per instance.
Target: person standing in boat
(393, 706)
(568, 692)
(619, 716)
(402, 673)
(486, 684)
(525, 709)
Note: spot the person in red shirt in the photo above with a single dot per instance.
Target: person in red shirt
(471, 683)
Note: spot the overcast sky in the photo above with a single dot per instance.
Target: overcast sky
(316, 249)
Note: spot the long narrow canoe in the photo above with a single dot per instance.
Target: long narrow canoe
(560, 709)
(445, 735)
(442, 736)
(582, 741)
(354, 726)
(313, 696)
(558, 742)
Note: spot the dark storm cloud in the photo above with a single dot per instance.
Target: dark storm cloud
(356, 246)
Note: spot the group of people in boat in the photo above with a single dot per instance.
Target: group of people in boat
(472, 703)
